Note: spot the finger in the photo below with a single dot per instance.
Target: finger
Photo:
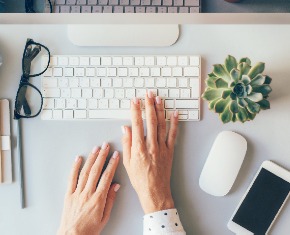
(110, 202)
(151, 119)
(172, 133)
(74, 175)
(97, 168)
(161, 130)
(137, 124)
(127, 143)
(107, 176)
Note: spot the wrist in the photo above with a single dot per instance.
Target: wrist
(153, 203)
(67, 232)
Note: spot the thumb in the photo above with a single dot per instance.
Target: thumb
(110, 202)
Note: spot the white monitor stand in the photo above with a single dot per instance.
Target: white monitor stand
(123, 34)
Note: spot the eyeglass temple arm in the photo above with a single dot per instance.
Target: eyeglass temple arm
(23, 103)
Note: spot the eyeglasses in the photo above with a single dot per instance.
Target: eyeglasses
(29, 6)
(29, 100)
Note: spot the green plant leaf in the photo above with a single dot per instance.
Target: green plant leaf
(212, 103)
(226, 93)
(251, 116)
(246, 80)
(210, 82)
(234, 107)
(242, 115)
(234, 118)
(255, 97)
(264, 89)
(268, 80)
(264, 104)
(226, 116)
(221, 105)
(245, 60)
(249, 89)
(211, 94)
(244, 69)
(233, 96)
(258, 80)
(220, 71)
(220, 83)
(252, 107)
(235, 75)
(255, 70)
(242, 103)
(230, 63)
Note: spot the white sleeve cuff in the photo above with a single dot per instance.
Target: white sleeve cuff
(164, 222)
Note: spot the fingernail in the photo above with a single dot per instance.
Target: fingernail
(117, 187)
(158, 100)
(136, 100)
(77, 158)
(104, 145)
(115, 154)
(123, 129)
(95, 150)
(149, 94)
(175, 113)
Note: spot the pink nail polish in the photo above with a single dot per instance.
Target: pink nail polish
(149, 94)
(115, 154)
(117, 187)
(175, 113)
(77, 158)
(104, 145)
(158, 100)
(136, 100)
(123, 129)
(95, 150)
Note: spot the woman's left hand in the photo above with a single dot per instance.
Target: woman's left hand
(90, 197)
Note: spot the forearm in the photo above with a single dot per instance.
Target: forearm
(165, 222)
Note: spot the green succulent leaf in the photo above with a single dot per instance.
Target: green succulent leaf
(258, 80)
(245, 60)
(233, 96)
(234, 118)
(220, 83)
(234, 107)
(212, 103)
(251, 116)
(235, 75)
(255, 70)
(264, 89)
(252, 107)
(226, 93)
(230, 63)
(264, 104)
(220, 71)
(221, 105)
(226, 116)
(242, 115)
(242, 103)
(249, 89)
(244, 69)
(232, 83)
(240, 90)
(210, 82)
(268, 80)
(245, 79)
(211, 94)
(255, 97)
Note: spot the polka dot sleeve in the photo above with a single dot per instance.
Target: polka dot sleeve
(165, 222)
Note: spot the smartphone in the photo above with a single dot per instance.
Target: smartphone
(262, 202)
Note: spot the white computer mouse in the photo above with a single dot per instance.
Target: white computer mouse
(223, 163)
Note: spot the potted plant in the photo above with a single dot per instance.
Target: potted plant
(237, 91)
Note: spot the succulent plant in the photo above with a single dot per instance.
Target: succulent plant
(237, 90)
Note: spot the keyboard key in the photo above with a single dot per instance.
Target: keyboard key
(117, 61)
(195, 87)
(46, 114)
(68, 114)
(162, 9)
(172, 10)
(48, 103)
(193, 114)
(87, 93)
(65, 92)
(125, 104)
(185, 93)
(128, 82)
(90, 72)
(171, 82)
(120, 93)
(81, 2)
(113, 2)
(71, 103)
(51, 92)
(92, 2)
(64, 9)
(106, 82)
(174, 93)
(57, 114)
(186, 104)
(117, 82)
(68, 72)
(109, 93)
(82, 104)
(191, 71)
(84, 61)
(129, 10)
(59, 103)
(139, 82)
(191, 3)
(76, 93)
(108, 9)
(140, 9)
(49, 83)
(97, 9)
(103, 2)
(103, 104)
(183, 10)
(114, 104)
(98, 93)
(130, 93)
(124, 2)
(128, 61)
(57, 72)
(166, 72)
(178, 2)
(150, 9)
(75, 9)
(79, 72)
(171, 60)
(135, 2)
(156, 2)
(169, 104)
(167, 2)
(194, 60)
(93, 103)
(80, 114)
(86, 9)
(95, 61)
(107, 114)
(84, 82)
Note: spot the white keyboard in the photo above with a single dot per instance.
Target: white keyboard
(124, 6)
(102, 87)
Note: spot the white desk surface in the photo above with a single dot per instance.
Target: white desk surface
(50, 147)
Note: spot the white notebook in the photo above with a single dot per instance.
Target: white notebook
(5, 143)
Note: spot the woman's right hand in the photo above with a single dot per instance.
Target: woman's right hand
(148, 161)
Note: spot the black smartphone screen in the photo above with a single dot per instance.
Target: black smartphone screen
(262, 202)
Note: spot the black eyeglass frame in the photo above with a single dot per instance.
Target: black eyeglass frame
(24, 81)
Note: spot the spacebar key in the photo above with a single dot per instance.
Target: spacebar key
(109, 114)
